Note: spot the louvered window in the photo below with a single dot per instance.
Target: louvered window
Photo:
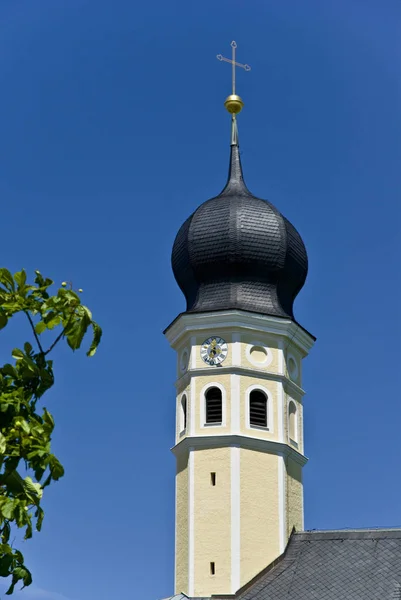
(258, 408)
(214, 406)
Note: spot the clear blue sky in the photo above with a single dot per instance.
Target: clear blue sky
(112, 132)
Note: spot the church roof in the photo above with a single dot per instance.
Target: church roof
(328, 565)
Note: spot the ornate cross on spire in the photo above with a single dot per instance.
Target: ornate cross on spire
(234, 102)
(234, 64)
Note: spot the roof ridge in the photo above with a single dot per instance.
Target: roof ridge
(341, 534)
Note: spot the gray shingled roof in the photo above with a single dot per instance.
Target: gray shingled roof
(332, 565)
(237, 251)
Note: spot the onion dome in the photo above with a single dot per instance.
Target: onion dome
(237, 251)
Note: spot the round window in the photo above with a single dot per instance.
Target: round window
(258, 354)
(292, 367)
(184, 360)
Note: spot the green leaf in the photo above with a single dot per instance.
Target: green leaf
(3, 320)
(20, 514)
(28, 348)
(52, 323)
(97, 335)
(3, 444)
(76, 333)
(20, 278)
(48, 418)
(25, 427)
(8, 369)
(40, 327)
(7, 279)
(17, 354)
(32, 488)
(56, 468)
(24, 574)
(5, 564)
(28, 532)
(7, 508)
(40, 514)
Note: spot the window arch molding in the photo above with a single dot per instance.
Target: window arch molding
(269, 408)
(202, 403)
(292, 422)
(183, 413)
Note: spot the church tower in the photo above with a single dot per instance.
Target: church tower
(239, 428)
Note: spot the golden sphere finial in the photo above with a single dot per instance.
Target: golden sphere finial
(234, 104)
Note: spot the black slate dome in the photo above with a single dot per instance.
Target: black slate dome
(237, 251)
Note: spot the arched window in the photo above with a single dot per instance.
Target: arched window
(258, 408)
(183, 415)
(214, 406)
(292, 422)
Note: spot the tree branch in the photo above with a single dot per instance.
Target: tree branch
(34, 332)
(56, 341)
(58, 338)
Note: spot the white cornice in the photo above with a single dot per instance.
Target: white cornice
(192, 322)
(290, 386)
(243, 441)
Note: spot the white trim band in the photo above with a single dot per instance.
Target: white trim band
(243, 441)
(191, 521)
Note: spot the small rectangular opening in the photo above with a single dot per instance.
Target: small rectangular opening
(213, 478)
(212, 568)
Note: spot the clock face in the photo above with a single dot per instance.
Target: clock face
(214, 350)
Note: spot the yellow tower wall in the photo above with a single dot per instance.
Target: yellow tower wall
(212, 521)
(181, 524)
(260, 518)
(294, 496)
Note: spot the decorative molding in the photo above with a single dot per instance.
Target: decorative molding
(295, 438)
(270, 420)
(202, 404)
(236, 349)
(281, 357)
(289, 385)
(189, 322)
(192, 413)
(280, 410)
(191, 521)
(193, 352)
(269, 355)
(181, 419)
(235, 519)
(243, 441)
(235, 403)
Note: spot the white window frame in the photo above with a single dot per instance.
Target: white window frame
(293, 441)
(269, 408)
(269, 355)
(202, 403)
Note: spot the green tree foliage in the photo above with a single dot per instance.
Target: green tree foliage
(25, 430)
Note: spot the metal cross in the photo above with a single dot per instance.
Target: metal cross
(233, 63)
